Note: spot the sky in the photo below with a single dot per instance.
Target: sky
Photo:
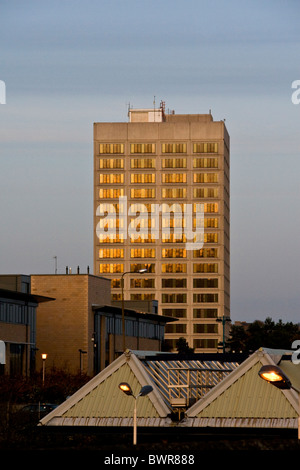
(67, 64)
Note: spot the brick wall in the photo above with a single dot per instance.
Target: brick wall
(66, 325)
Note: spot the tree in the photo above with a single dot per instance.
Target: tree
(238, 339)
(183, 347)
(263, 334)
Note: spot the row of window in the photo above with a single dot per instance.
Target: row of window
(149, 163)
(176, 283)
(134, 327)
(197, 312)
(149, 178)
(142, 283)
(151, 253)
(16, 313)
(199, 343)
(177, 238)
(143, 208)
(197, 328)
(179, 298)
(107, 268)
(205, 298)
(205, 343)
(143, 221)
(169, 147)
(150, 193)
(144, 296)
(165, 238)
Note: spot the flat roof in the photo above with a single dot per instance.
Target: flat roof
(16, 295)
(134, 313)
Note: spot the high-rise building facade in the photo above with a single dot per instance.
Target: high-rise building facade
(162, 203)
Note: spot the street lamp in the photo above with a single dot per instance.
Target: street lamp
(275, 376)
(125, 387)
(140, 271)
(223, 319)
(44, 357)
(81, 352)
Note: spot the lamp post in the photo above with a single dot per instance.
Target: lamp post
(44, 357)
(275, 376)
(140, 271)
(81, 352)
(223, 319)
(125, 387)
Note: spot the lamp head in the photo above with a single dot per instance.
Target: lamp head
(125, 387)
(145, 390)
(275, 376)
(142, 271)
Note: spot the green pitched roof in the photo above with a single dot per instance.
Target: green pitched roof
(100, 402)
(244, 399)
(106, 400)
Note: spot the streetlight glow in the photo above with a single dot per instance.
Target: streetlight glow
(271, 376)
(44, 357)
(125, 387)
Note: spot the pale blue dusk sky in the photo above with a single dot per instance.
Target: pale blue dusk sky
(67, 64)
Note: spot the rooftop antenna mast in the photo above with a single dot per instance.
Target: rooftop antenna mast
(163, 107)
(154, 107)
(55, 261)
(128, 109)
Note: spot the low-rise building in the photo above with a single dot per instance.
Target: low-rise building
(81, 331)
(65, 329)
(18, 312)
(143, 332)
